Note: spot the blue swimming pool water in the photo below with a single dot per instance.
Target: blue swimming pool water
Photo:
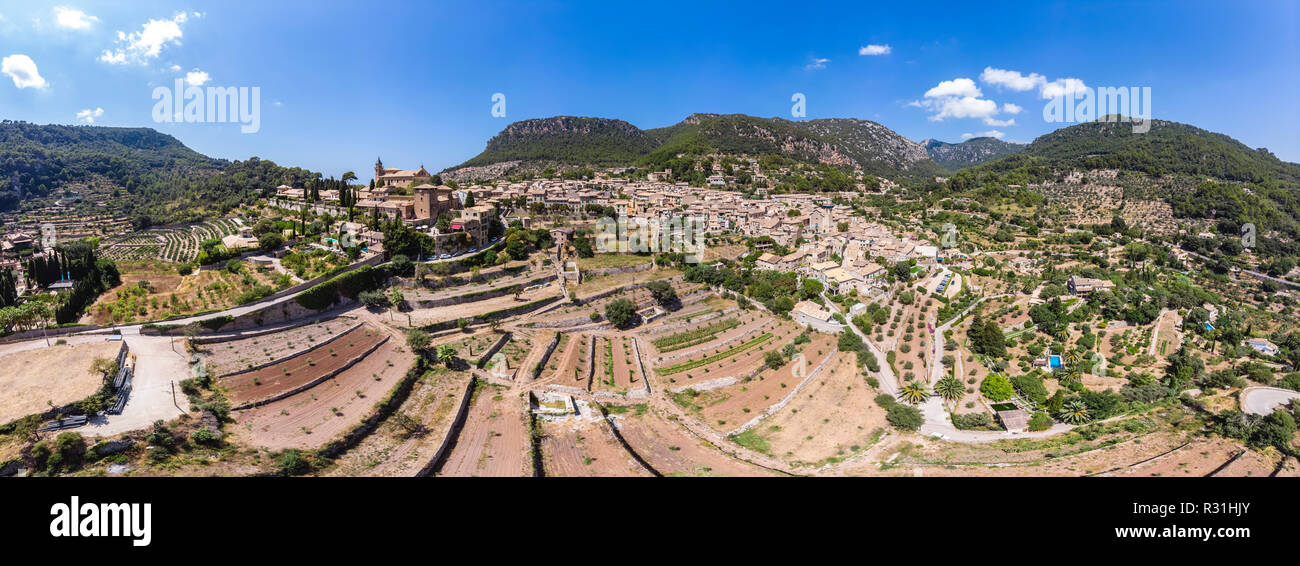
(1054, 362)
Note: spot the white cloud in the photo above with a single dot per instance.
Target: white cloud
(175, 68)
(1010, 108)
(23, 71)
(875, 50)
(963, 107)
(1012, 79)
(1062, 87)
(817, 64)
(141, 46)
(72, 18)
(196, 78)
(999, 123)
(1019, 82)
(88, 116)
(956, 87)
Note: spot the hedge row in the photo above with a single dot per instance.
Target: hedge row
(321, 295)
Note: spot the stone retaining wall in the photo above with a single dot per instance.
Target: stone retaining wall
(483, 360)
(785, 400)
(453, 434)
(550, 348)
(295, 354)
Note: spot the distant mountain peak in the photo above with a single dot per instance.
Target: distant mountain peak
(972, 151)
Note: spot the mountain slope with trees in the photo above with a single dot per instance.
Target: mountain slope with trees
(146, 174)
(568, 140)
(974, 151)
(1203, 175)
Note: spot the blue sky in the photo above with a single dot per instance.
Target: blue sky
(342, 82)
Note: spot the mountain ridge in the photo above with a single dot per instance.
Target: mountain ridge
(583, 140)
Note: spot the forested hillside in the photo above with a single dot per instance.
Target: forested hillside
(1202, 175)
(148, 175)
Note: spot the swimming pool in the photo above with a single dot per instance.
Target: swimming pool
(1054, 362)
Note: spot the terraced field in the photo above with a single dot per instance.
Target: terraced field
(175, 243)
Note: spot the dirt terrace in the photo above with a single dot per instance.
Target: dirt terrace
(1197, 459)
(738, 365)
(313, 417)
(583, 447)
(729, 407)
(494, 441)
(616, 352)
(833, 418)
(279, 378)
(237, 355)
(394, 450)
(32, 381)
(672, 451)
(569, 362)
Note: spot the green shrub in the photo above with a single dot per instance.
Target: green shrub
(904, 417)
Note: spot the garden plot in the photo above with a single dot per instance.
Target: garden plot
(709, 335)
(672, 451)
(33, 381)
(737, 359)
(508, 361)
(700, 308)
(538, 342)
(833, 418)
(1167, 337)
(238, 355)
(616, 367)
(410, 437)
(471, 290)
(694, 335)
(494, 440)
(568, 364)
(427, 316)
(912, 343)
(287, 375)
(727, 408)
(311, 418)
(472, 347)
(584, 447)
(604, 283)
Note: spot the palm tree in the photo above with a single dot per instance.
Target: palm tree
(446, 354)
(950, 388)
(914, 392)
(1075, 412)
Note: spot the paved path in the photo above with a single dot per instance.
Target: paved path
(158, 369)
(936, 339)
(1264, 400)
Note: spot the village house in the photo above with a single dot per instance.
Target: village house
(1084, 286)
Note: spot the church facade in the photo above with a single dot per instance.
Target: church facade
(388, 176)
